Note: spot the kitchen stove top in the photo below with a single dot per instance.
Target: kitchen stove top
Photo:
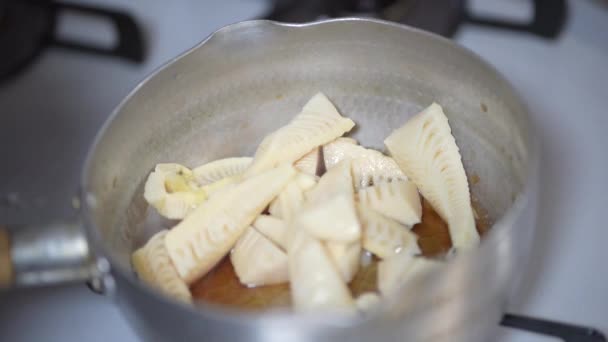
(54, 108)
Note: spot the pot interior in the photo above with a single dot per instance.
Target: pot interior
(220, 99)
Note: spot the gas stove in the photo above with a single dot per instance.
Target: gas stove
(53, 107)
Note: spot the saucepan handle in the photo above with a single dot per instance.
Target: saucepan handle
(563, 331)
(33, 255)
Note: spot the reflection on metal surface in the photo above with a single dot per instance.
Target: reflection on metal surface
(101, 282)
(50, 254)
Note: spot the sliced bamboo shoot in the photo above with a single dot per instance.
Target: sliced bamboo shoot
(291, 199)
(348, 140)
(273, 228)
(385, 237)
(153, 265)
(345, 148)
(220, 169)
(172, 191)
(367, 302)
(205, 236)
(399, 201)
(346, 257)
(427, 152)
(337, 181)
(371, 166)
(330, 212)
(318, 123)
(257, 261)
(334, 219)
(379, 169)
(315, 283)
(309, 164)
(401, 268)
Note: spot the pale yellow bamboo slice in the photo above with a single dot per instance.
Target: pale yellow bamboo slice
(172, 191)
(273, 228)
(257, 261)
(315, 283)
(398, 200)
(379, 169)
(205, 236)
(309, 164)
(291, 199)
(383, 236)
(153, 265)
(220, 169)
(345, 148)
(367, 302)
(330, 212)
(346, 256)
(318, 123)
(348, 140)
(369, 166)
(427, 152)
(395, 271)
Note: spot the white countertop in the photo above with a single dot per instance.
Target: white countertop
(565, 83)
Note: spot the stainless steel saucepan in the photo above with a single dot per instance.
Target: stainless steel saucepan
(220, 98)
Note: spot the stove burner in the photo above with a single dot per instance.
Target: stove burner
(443, 17)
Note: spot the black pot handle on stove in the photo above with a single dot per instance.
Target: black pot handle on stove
(548, 20)
(129, 45)
(565, 332)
